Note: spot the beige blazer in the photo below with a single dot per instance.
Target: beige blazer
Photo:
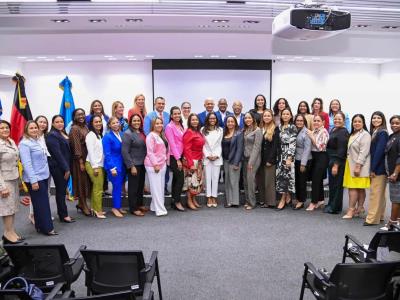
(358, 152)
(9, 156)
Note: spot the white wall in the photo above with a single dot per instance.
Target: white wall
(361, 88)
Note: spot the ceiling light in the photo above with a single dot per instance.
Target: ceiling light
(129, 56)
(223, 26)
(220, 21)
(280, 57)
(21, 57)
(307, 59)
(50, 59)
(390, 27)
(31, 60)
(112, 58)
(251, 21)
(97, 20)
(290, 60)
(133, 20)
(108, 56)
(204, 26)
(298, 57)
(41, 57)
(214, 56)
(149, 56)
(67, 59)
(198, 56)
(361, 26)
(132, 59)
(232, 56)
(61, 57)
(60, 20)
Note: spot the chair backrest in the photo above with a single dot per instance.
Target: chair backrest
(386, 244)
(14, 295)
(361, 280)
(112, 271)
(125, 295)
(39, 264)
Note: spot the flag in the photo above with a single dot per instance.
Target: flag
(67, 103)
(21, 112)
(66, 109)
(1, 109)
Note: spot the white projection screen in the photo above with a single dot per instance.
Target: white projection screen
(194, 81)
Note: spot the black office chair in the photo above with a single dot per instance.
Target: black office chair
(125, 295)
(367, 281)
(20, 294)
(5, 267)
(113, 271)
(45, 265)
(383, 243)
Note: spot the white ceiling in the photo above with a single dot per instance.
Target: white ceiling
(187, 29)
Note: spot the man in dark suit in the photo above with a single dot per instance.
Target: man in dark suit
(237, 107)
(222, 113)
(209, 106)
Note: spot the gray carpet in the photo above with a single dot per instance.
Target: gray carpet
(216, 253)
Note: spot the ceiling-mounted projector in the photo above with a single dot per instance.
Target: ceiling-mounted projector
(310, 22)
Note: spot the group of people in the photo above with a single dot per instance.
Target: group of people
(271, 151)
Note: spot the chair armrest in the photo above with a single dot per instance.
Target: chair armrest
(149, 270)
(354, 240)
(153, 259)
(78, 253)
(56, 289)
(147, 292)
(310, 267)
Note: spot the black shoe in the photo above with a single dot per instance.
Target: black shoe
(51, 233)
(369, 224)
(177, 208)
(7, 241)
(67, 221)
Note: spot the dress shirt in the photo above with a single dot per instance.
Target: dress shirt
(174, 136)
(157, 151)
(42, 143)
(34, 161)
(94, 146)
(321, 137)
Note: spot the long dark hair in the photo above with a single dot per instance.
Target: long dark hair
(255, 102)
(55, 129)
(298, 107)
(46, 130)
(361, 116)
(254, 125)
(93, 103)
(141, 122)
(321, 108)
(99, 134)
(300, 116)
(190, 122)
(383, 126)
(291, 118)
(171, 112)
(330, 104)
(276, 109)
(207, 125)
(236, 124)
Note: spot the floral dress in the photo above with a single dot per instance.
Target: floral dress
(285, 177)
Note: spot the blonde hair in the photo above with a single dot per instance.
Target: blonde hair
(269, 128)
(153, 124)
(144, 105)
(26, 127)
(114, 106)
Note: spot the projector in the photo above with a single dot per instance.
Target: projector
(310, 22)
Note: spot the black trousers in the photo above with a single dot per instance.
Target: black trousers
(177, 180)
(335, 204)
(41, 206)
(301, 181)
(61, 190)
(318, 173)
(135, 188)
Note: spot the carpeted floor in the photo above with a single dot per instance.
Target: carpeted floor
(216, 253)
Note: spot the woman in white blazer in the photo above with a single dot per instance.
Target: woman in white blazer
(212, 151)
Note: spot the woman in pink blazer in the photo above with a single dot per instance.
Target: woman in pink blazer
(155, 163)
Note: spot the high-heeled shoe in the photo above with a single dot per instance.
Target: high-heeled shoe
(298, 206)
(138, 213)
(52, 233)
(86, 213)
(196, 203)
(178, 206)
(209, 202)
(71, 220)
(144, 209)
(311, 207)
(215, 203)
(320, 204)
(98, 215)
(350, 213)
(280, 206)
(360, 212)
(7, 241)
(191, 205)
(117, 213)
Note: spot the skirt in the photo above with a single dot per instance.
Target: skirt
(9, 205)
(394, 192)
(354, 182)
(193, 182)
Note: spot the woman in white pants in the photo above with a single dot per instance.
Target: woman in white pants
(156, 164)
(212, 151)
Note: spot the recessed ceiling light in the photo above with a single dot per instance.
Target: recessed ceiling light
(149, 56)
(198, 56)
(390, 27)
(290, 60)
(232, 56)
(214, 56)
(50, 59)
(129, 56)
(97, 20)
(112, 58)
(21, 57)
(41, 57)
(61, 57)
(315, 58)
(67, 59)
(220, 21)
(361, 26)
(133, 20)
(132, 59)
(204, 26)
(60, 20)
(251, 21)
(31, 60)
(223, 26)
(307, 59)
(108, 56)
(298, 57)
(280, 57)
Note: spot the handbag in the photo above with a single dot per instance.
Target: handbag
(21, 284)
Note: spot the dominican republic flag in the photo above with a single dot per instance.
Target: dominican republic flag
(20, 113)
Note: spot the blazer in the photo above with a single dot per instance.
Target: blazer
(152, 115)
(337, 146)
(175, 140)
(136, 110)
(202, 117)
(94, 146)
(303, 147)
(241, 121)
(58, 147)
(9, 156)
(221, 121)
(213, 147)
(133, 149)
(236, 148)
(112, 153)
(34, 161)
(193, 143)
(378, 144)
(157, 151)
(252, 146)
(269, 149)
(358, 152)
(392, 151)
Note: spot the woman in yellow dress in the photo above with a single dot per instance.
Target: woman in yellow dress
(357, 170)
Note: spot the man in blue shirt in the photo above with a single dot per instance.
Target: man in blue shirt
(209, 106)
(159, 106)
